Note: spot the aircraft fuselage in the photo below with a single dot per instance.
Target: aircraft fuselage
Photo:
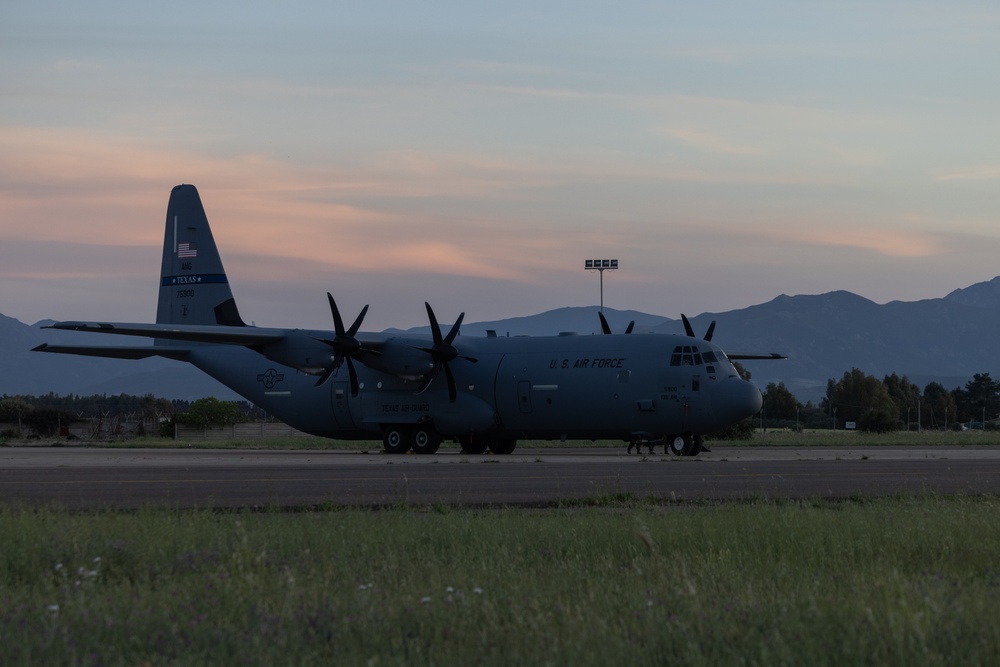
(627, 387)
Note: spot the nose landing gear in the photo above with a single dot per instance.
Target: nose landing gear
(685, 444)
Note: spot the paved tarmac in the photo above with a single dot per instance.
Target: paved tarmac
(98, 478)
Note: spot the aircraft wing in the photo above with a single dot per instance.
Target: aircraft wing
(196, 333)
(122, 352)
(739, 356)
(301, 349)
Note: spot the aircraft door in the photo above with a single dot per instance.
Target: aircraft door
(689, 400)
(340, 398)
(524, 396)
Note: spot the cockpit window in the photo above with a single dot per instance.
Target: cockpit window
(689, 355)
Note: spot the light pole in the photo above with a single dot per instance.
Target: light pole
(601, 265)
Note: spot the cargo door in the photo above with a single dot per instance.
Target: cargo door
(341, 400)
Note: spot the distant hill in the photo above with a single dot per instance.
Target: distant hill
(944, 340)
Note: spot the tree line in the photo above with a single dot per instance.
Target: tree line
(890, 404)
(45, 415)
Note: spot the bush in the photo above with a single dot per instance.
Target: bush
(743, 430)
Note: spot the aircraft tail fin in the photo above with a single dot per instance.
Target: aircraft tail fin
(194, 288)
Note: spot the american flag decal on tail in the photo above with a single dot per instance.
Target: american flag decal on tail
(185, 250)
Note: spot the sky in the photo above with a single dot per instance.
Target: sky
(473, 155)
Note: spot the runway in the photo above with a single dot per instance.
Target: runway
(96, 478)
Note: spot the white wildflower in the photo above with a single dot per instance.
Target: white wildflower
(425, 600)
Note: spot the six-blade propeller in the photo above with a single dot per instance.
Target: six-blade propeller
(345, 345)
(442, 352)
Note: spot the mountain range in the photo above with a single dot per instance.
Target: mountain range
(945, 340)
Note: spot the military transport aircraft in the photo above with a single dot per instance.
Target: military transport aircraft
(413, 390)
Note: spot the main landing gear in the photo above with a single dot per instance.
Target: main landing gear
(400, 438)
(423, 439)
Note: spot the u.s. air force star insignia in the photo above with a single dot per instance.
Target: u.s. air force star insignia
(270, 377)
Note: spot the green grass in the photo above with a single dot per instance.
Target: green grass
(842, 438)
(621, 581)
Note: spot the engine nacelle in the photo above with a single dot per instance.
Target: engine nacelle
(301, 352)
(401, 359)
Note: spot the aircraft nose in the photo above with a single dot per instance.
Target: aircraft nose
(740, 399)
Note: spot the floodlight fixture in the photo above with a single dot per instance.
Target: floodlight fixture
(601, 265)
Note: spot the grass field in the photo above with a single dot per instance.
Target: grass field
(900, 581)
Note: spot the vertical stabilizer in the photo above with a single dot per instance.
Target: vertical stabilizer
(193, 285)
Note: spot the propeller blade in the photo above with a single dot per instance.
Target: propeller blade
(325, 376)
(452, 390)
(435, 329)
(357, 323)
(353, 374)
(338, 323)
(687, 326)
(454, 330)
(711, 330)
(605, 327)
(428, 379)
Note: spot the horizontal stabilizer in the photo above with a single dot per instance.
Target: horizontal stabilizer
(129, 352)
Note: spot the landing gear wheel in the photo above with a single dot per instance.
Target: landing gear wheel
(425, 440)
(472, 445)
(396, 439)
(503, 445)
(680, 445)
(697, 445)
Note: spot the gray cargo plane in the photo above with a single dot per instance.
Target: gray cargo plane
(647, 389)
